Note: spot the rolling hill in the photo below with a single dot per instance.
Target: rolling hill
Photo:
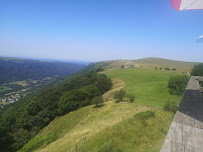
(112, 126)
(151, 63)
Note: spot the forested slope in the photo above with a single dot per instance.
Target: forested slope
(22, 120)
(14, 69)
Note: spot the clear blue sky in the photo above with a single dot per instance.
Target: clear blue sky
(99, 30)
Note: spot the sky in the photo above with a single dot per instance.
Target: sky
(98, 30)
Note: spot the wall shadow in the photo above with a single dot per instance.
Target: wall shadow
(191, 105)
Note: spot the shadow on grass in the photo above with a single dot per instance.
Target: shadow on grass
(99, 106)
(118, 101)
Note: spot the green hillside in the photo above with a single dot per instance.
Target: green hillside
(151, 63)
(17, 69)
(112, 126)
(61, 116)
(149, 86)
(19, 77)
(22, 120)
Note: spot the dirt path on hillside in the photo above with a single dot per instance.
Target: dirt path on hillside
(117, 85)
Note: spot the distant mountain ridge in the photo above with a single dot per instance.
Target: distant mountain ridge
(151, 63)
(17, 69)
(50, 60)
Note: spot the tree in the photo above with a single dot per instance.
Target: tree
(103, 83)
(132, 66)
(155, 68)
(131, 97)
(97, 100)
(119, 95)
(160, 68)
(70, 101)
(173, 69)
(90, 91)
(168, 69)
(197, 70)
(122, 66)
(177, 85)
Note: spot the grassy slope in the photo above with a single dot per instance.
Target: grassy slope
(151, 63)
(112, 126)
(150, 87)
(85, 122)
(131, 136)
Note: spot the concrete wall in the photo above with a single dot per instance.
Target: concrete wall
(186, 130)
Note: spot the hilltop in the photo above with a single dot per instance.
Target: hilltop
(151, 63)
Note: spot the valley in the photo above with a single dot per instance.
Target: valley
(112, 126)
(20, 77)
(13, 91)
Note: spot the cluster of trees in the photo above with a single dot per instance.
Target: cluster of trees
(22, 121)
(198, 71)
(177, 84)
(21, 69)
(167, 69)
(121, 94)
(131, 66)
(173, 69)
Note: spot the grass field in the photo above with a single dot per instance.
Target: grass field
(85, 122)
(3, 89)
(22, 83)
(149, 87)
(131, 135)
(112, 127)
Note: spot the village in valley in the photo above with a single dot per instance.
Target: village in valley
(26, 87)
(11, 99)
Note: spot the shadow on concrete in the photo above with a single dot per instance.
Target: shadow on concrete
(202, 96)
(190, 110)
